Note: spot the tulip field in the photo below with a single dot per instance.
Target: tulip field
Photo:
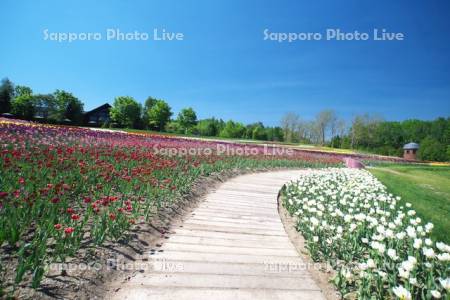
(63, 188)
(379, 248)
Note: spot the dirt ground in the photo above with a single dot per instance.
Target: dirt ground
(86, 275)
(321, 272)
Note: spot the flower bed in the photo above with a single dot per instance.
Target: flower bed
(379, 249)
(62, 188)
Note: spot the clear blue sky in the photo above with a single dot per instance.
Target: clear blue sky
(224, 68)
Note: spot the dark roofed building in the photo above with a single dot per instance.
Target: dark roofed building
(98, 116)
(410, 151)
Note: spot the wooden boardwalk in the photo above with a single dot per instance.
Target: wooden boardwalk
(234, 246)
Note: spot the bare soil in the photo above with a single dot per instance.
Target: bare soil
(322, 273)
(117, 261)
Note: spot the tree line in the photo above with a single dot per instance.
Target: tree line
(371, 133)
(126, 112)
(364, 132)
(156, 114)
(57, 107)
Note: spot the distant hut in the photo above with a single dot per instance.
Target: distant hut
(410, 151)
(98, 116)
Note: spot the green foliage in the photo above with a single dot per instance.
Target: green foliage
(174, 127)
(159, 115)
(21, 90)
(23, 107)
(336, 142)
(255, 130)
(388, 138)
(259, 133)
(68, 107)
(187, 119)
(232, 130)
(209, 127)
(6, 95)
(148, 104)
(432, 149)
(126, 112)
(46, 107)
(275, 134)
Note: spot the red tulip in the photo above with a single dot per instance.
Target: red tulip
(75, 217)
(69, 230)
(57, 226)
(112, 216)
(3, 194)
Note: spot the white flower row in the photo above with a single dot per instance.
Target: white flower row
(379, 248)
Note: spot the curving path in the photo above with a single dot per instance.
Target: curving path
(234, 246)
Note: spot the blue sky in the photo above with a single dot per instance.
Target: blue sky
(225, 68)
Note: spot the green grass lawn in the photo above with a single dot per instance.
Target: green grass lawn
(427, 188)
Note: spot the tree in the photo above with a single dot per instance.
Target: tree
(232, 130)
(336, 141)
(45, 107)
(438, 129)
(415, 130)
(187, 119)
(68, 107)
(173, 127)
(274, 134)
(126, 112)
(259, 133)
(254, 129)
(303, 131)
(21, 90)
(159, 115)
(431, 149)
(363, 130)
(23, 107)
(341, 127)
(6, 95)
(325, 120)
(313, 133)
(208, 127)
(289, 122)
(148, 104)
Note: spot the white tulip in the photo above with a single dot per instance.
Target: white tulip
(444, 256)
(371, 263)
(402, 293)
(403, 273)
(445, 283)
(392, 254)
(428, 252)
(417, 243)
(436, 294)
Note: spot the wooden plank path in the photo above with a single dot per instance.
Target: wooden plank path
(233, 246)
